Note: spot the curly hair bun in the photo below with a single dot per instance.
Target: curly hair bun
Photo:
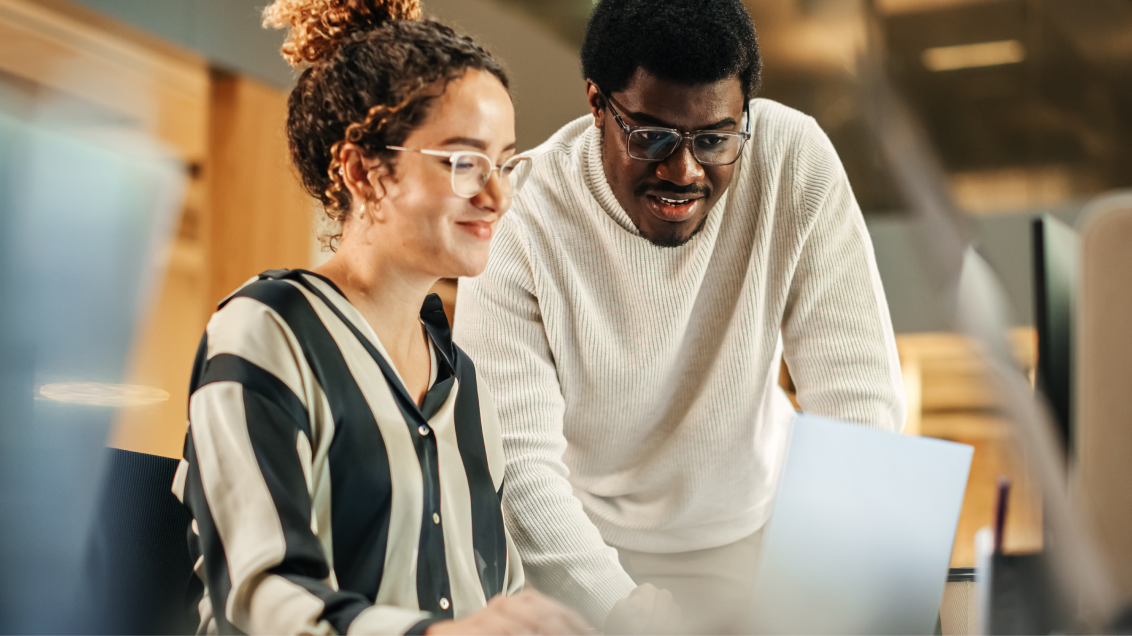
(319, 26)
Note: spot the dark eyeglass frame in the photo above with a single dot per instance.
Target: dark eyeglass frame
(743, 136)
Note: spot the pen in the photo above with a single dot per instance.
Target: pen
(1003, 495)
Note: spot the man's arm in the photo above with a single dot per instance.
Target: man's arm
(499, 323)
(837, 333)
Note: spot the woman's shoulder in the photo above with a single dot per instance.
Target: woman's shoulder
(278, 288)
(256, 338)
(270, 310)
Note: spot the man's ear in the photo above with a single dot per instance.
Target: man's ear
(597, 103)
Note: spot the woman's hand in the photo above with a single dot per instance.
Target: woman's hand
(525, 613)
(646, 610)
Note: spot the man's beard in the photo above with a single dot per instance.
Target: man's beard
(673, 239)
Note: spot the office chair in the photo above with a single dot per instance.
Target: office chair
(139, 570)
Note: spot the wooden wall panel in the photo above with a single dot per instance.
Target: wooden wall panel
(260, 218)
(163, 356)
(253, 216)
(162, 90)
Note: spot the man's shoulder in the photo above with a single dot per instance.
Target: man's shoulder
(556, 182)
(784, 138)
(778, 125)
(563, 142)
(763, 109)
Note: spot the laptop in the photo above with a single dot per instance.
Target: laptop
(861, 535)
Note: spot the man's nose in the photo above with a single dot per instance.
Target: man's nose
(681, 166)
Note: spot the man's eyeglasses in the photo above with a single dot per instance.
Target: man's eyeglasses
(472, 170)
(709, 147)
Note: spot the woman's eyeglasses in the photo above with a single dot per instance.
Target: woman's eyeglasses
(709, 147)
(472, 170)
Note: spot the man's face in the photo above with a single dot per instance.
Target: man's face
(667, 200)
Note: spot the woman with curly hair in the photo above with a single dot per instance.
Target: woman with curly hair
(343, 463)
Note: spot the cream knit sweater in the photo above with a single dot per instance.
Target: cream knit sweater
(637, 385)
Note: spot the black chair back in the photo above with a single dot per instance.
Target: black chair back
(139, 569)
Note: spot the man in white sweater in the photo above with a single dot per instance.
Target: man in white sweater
(668, 252)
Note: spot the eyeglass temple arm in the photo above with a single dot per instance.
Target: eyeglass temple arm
(435, 153)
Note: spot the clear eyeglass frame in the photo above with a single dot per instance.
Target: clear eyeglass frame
(472, 170)
(667, 140)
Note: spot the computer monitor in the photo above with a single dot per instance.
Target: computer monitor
(1056, 254)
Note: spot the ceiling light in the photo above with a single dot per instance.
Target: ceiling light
(896, 7)
(99, 394)
(951, 58)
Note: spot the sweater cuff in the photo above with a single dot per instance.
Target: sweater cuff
(596, 598)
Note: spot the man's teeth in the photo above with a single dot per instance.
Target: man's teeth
(674, 201)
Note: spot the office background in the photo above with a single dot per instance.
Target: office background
(1025, 102)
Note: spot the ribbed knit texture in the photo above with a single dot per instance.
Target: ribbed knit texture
(637, 385)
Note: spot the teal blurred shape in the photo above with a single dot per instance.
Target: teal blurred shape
(86, 216)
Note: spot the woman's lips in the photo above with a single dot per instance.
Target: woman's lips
(478, 229)
(673, 210)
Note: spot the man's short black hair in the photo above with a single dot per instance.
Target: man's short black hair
(686, 41)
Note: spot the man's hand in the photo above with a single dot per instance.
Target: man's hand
(525, 613)
(646, 610)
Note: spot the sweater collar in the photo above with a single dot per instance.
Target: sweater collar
(597, 183)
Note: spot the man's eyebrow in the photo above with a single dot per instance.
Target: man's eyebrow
(474, 143)
(649, 120)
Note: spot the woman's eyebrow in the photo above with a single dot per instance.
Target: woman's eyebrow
(465, 141)
(474, 143)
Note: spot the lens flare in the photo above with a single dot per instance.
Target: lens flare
(101, 394)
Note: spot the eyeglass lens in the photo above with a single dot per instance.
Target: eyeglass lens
(471, 172)
(707, 148)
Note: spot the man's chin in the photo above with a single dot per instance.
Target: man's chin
(673, 234)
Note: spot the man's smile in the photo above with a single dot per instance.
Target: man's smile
(674, 208)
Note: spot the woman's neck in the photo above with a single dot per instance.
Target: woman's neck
(390, 299)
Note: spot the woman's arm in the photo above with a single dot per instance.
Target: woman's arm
(246, 483)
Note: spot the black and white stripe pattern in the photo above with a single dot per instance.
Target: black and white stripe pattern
(324, 499)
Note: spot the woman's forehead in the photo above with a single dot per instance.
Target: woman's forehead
(474, 111)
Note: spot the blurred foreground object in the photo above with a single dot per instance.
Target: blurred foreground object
(1104, 381)
(980, 312)
(92, 179)
(83, 223)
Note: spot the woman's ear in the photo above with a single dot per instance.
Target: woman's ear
(355, 173)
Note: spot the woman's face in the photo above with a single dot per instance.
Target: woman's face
(429, 228)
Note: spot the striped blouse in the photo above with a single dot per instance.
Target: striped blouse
(323, 498)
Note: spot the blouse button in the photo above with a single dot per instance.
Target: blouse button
(436, 517)
(443, 603)
(423, 430)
